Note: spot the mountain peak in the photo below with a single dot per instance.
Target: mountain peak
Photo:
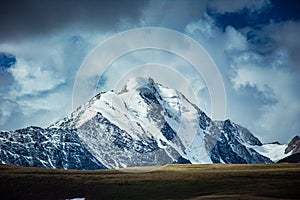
(136, 82)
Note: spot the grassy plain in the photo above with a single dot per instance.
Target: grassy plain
(210, 181)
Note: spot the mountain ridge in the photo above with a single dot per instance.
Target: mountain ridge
(145, 123)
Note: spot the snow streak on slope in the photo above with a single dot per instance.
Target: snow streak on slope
(50, 148)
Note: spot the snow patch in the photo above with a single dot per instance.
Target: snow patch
(273, 151)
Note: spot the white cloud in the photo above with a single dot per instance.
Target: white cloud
(220, 45)
(32, 79)
(42, 79)
(261, 89)
(235, 40)
(280, 119)
(7, 107)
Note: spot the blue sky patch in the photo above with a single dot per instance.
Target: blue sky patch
(7, 60)
(277, 12)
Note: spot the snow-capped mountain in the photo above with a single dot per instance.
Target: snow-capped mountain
(144, 124)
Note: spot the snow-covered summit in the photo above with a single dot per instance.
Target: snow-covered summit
(135, 82)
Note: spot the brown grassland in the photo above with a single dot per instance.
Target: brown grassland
(210, 181)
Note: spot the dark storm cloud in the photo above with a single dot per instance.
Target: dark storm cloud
(175, 14)
(30, 18)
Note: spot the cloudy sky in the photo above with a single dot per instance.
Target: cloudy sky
(255, 45)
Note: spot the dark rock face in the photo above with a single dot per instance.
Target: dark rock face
(230, 146)
(294, 158)
(241, 133)
(182, 160)
(294, 145)
(168, 132)
(204, 121)
(276, 142)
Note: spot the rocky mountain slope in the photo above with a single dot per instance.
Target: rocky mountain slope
(144, 124)
(292, 151)
(50, 148)
(294, 158)
(293, 146)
